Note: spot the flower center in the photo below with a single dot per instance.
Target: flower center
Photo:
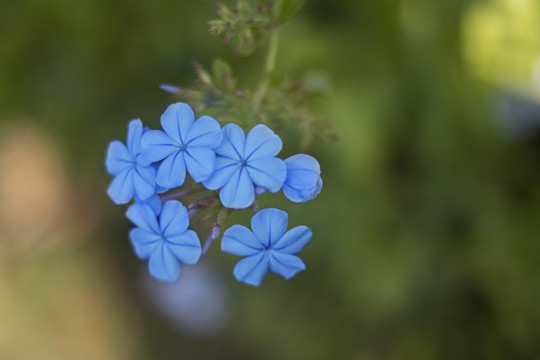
(243, 162)
(182, 147)
(138, 160)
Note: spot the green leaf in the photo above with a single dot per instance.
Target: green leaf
(215, 27)
(285, 10)
(223, 74)
(317, 83)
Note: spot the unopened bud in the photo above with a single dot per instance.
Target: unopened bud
(211, 237)
(216, 231)
(170, 88)
(203, 75)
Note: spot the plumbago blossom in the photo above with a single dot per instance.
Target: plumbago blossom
(133, 174)
(229, 169)
(185, 144)
(244, 162)
(194, 172)
(267, 247)
(166, 242)
(303, 181)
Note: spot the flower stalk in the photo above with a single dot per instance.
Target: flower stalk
(269, 66)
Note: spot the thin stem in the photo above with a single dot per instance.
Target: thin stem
(272, 51)
(269, 66)
(179, 194)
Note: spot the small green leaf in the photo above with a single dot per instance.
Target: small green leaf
(223, 74)
(216, 27)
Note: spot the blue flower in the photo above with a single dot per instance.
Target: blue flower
(185, 144)
(268, 247)
(303, 180)
(244, 162)
(133, 174)
(167, 242)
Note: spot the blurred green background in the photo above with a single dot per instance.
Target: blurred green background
(426, 234)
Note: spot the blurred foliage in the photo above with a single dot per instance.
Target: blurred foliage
(426, 231)
(281, 103)
(503, 55)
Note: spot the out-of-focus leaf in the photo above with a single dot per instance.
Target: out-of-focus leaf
(285, 10)
(316, 83)
(223, 75)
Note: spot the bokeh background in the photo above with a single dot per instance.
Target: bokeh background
(427, 232)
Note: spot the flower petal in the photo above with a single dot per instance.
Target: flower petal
(143, 216)
(302, 171)
(174, 218)
(154, 202)
(144, 242)
(268, 172)
(118, 158)
(200, 162)
(302, 195)
(261, 142)
(186, 247)
(238, 192)
(285, 265)
(205, 131)
(135, 131)
(269, 225)
(293, 240)
(232, 145)
(239, 240)
(121, 189)
(224, 169)
(156, 145)
(163, 264)
(252, 269)
(144, 181)
(177, 120)
(318, 187)
(172, 171)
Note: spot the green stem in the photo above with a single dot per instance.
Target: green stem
(269, 66)
(272, 51)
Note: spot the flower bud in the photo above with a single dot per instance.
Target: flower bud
(170, 88)
(303, 181)
(216, 230)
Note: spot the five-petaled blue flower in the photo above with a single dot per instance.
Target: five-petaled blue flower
(244, 162)
(303, 180)
(167, 242)
(133, 174)
(185, 144)
(267, 247)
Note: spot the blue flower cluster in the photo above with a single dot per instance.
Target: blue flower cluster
(234, 167)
